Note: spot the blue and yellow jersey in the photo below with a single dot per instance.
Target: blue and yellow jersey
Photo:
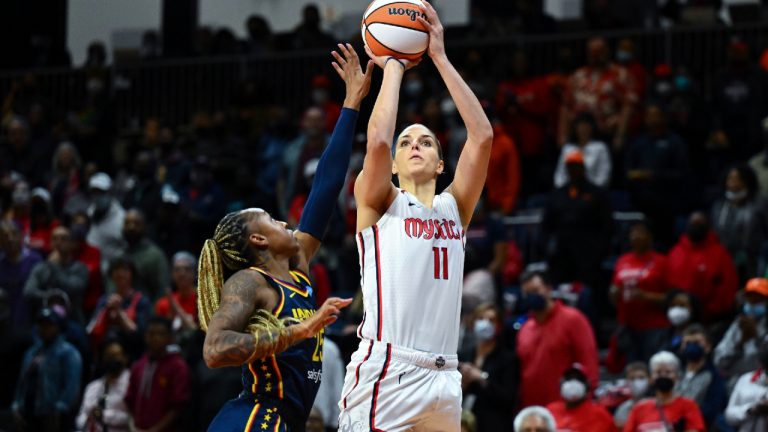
(289, 379)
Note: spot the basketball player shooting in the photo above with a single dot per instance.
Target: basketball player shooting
(263, 317)
(404, 374)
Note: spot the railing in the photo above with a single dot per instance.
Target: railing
(175, 89)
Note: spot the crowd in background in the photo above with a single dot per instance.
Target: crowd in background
(653, 319)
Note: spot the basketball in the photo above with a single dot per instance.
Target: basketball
(390, 28)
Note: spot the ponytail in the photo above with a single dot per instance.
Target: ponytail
(210, 275)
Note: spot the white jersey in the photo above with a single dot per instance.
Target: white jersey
(412, 269)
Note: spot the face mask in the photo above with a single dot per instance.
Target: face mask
(535, 302)
(735, 196)
(693, 352)
(696, 233)
(413, 88)
(678, 315)
(484, 330)
(448, 107)
(113, 367)
(21, 196)
(638, 387)
(623, 56)
(100, 206)
(754, 310)
(663, 88)
(664, 384)
(319, 96)
(682, 83)
(573, 390)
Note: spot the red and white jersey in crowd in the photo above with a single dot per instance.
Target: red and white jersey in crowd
(412, 267)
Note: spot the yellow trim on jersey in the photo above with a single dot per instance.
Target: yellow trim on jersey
(279, 307)
(251, 418)
(255, 377)
(286, 285)
(303, 276)
(277, 424)
(279, 377)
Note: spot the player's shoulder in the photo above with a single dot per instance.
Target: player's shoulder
(248, 279)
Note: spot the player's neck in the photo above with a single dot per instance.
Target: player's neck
(275, 265)
(424, 192)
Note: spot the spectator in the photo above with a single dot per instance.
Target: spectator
(144, 191)
(259, 36)
(737, 353)
(748, 407)
(329, 393)
(739, 101)
(639, 289)
(150, 261)
(15, 342)
(107, 217)
(553, 338)
(637, 376)
(597, 158)
(759, 162)
(180, 305)
(315, 421)
(90, 257)
(602, 89)
(577, 221)
(626, 56)
(667, 410)
(66, 179)
(151, 47)
(59, 272)
(534, 419)
(576, 411)
(738, 220)
(682, 308)
(321, 97)
(16, 264)
(159, 384)
(701, 382)
(41, 221)
(308, 34)
(29, 160)
(202, 201)
(701, 265)
(173, 224)
(49, 381)
(123, 313)
(489, 373)
(103, 406)
(503, 180)
(486, 243)
(309, 145)
(656, 171)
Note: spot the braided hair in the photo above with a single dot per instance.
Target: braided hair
(228, 248)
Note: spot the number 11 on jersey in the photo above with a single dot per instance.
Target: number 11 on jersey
(437, 253)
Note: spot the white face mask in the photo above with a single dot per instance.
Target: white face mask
(573, 390)
(678, 315)
(638, 387)
(735, 196)
(484, 330)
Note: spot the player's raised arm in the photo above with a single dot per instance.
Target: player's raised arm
(373, 188)
(334, 162)
(472, 167)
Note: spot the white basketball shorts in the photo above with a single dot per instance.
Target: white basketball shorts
(392, 389)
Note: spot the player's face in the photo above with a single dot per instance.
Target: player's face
(416, 154)
(267, 232)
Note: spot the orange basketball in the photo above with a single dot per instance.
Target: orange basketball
(390, 28)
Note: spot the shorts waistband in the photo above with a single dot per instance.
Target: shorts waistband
(415, 357)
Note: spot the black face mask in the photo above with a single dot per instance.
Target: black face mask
(101, 206)
(697, 232)
(113, 367)
(664, 384)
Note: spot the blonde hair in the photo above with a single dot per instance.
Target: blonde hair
(228, 248)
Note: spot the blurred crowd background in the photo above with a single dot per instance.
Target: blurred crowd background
(620, 243)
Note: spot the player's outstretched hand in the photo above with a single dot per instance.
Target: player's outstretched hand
(381, 61)
(435, 28)
(325, 316)
(358, 82)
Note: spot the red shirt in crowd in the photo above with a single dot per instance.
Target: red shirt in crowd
(546, 349)
(150, 398)
(602, 93)
(503, 181)
(587, 417)
(707, 271)
(647, 272)
(646, 416)
(164, 309)
(91, 257)
(534, 107)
